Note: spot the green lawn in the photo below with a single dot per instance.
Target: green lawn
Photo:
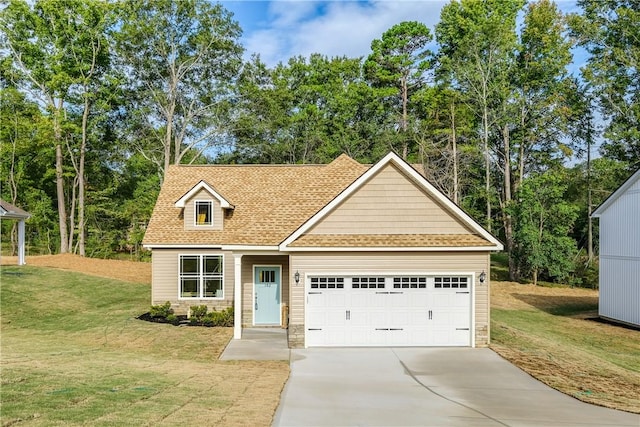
(550, 333)
(73, 353)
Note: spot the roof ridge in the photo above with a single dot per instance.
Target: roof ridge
(247, 165)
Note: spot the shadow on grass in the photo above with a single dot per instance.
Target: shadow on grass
(613, 323)
(560, 305)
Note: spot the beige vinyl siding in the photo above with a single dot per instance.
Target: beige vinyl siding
(390, 203)
(189, 212)
(165, 272)
(248, 263)
(394, 263)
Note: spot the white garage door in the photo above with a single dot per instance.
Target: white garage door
(388, 311)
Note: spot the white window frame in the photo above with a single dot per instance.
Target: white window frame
(195, 213)
(201, 276)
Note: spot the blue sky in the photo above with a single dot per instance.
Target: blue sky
(278, 30)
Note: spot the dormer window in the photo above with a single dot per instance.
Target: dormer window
(204, 212)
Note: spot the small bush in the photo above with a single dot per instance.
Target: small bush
(173, 319)
(586, 273)
(220, 318)
(163, 310)
(199, 316)
(198, 313)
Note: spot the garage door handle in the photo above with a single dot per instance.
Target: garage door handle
(314, 329)
(396, 329)
(385, 293)
(430, 314)
(462, 292)
(396, 292)
(315, 293)
(348, 314)
(462, 329)
(382, 329)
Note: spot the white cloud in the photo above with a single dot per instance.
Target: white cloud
(332, 28)
(336, 28)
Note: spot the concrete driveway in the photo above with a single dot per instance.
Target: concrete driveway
(426, 387)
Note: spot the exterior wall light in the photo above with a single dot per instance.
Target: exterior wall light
(296, 277)
(483, 276)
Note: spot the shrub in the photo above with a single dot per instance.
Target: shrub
(220, 318)
(163, 310)
(173, 319)
(198, 313)
(587, 273)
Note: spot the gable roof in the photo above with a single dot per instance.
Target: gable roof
(616, 194)
(7, 210)
(275, 205)
(270, 201)
(199, 186)
(484, 240)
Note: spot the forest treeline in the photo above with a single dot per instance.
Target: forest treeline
(99, 98)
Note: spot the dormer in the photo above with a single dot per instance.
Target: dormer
(203, 208)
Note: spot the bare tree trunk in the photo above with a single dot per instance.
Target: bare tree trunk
(72, 213)
(62, 212)
(13, 188)
(523, 141)
(405, 100)
(487, 164)
(168, 139)
(81, 177)
(589, 203)
(454, 149)
(506, 217)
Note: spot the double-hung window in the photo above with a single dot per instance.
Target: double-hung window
(201, 276)
(204, 212)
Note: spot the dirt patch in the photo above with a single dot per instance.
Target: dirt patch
(593, 361)
(128, 271)
(516, 296)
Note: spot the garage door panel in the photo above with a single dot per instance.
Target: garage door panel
(399, 318)
(419, 318)
(398, 337)
(398, 300)
(460, 299)
(335, 299)
(418, 300)
(378, 311)
(461, 337)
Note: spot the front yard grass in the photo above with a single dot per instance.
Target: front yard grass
(550, 332)
(72, 353)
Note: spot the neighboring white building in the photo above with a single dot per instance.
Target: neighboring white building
(8, 211)
(620, 253)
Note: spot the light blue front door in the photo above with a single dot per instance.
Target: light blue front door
(267, 295)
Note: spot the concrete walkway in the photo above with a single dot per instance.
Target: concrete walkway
(258, 344)
(426, 387)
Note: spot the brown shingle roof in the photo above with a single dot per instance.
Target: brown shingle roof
(271, 201)
(389, 240)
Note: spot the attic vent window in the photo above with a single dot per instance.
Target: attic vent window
(204, 212)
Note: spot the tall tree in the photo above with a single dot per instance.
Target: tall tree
(446, 125)
(610, 31)
(307, 110)
(93, 64)
(52, 47)
(477, 43)
(182, 58)
(544, 89)
(400, 60)
(535, 108)
(24, 153)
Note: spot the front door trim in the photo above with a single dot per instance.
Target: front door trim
(253, 293)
